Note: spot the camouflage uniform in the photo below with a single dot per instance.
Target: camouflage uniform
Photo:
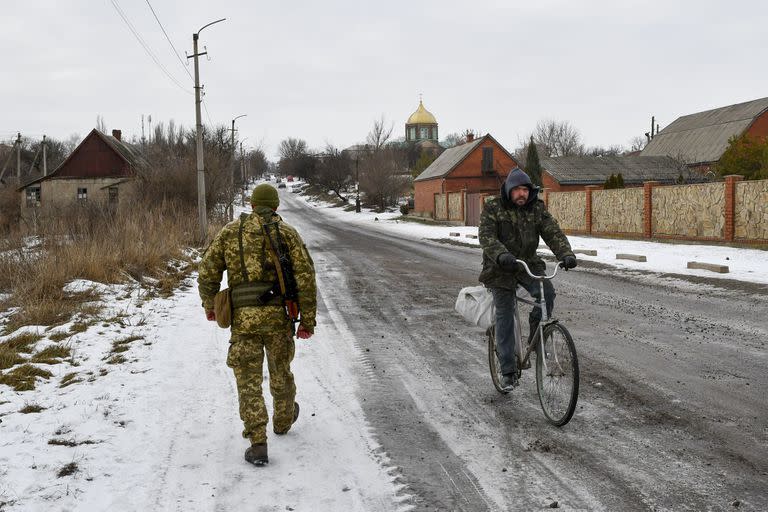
(506, 227)
(259, 328)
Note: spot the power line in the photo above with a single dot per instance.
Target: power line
(169, 40)
(206, 113)
(146, 47)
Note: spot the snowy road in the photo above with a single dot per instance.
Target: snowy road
(672, 413)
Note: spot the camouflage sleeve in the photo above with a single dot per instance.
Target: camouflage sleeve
(210, 270)
(304, 272)
(553, 236)
(488, 232)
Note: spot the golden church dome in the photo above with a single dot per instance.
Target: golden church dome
(421, 116)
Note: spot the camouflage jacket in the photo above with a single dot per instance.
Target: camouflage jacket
(224, 254)
(506, 227)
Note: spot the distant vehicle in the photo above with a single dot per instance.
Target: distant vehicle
(281, 185)
(290, 178)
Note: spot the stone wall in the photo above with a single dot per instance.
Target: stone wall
(569, 208)
(692, 211)
(617, 211)
(751, 210)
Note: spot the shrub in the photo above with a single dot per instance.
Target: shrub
(404, 209)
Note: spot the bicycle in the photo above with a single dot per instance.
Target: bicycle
(557, 365)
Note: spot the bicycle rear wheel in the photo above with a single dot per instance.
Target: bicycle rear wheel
(493, 361)
(557, 374)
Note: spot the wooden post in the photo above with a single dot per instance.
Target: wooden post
(648, 207)
(729, 230)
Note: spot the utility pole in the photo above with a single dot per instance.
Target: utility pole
(18, 158)
(201, 209)
(230, 180)
(357, 183)
(45, 157)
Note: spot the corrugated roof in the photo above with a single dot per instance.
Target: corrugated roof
(703, 137)
(594, 170)
(448, 159)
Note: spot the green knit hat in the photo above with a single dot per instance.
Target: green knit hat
(265, 195)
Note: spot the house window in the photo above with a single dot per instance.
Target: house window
(423, 132)
(33, 196)
(487, 162)
(113, 195)
(412, 133)
(82, 194)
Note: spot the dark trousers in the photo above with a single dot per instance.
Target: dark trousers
(505, 303)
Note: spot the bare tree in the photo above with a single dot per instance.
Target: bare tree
(379, 134)
(557, 138)
(384, 176)
(335, 170)
(637, 143)
(295, 159)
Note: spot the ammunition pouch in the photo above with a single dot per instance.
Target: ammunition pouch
(255, 293)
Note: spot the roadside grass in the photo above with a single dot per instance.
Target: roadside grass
(59, 336)
(23, 378)
(70, 378)
(51, 355)
(116, 359)
(123, 344)
(31, 409)
(67, 470)
(56, 441)
(11, 350)
(95, 245)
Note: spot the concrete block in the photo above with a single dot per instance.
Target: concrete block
(633, 257)
(588, 252)
(470, 236)
(454, 234)
(720, 269)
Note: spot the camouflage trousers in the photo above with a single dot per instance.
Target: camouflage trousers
(246, 358)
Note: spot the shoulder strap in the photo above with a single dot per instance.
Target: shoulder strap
(243, 216)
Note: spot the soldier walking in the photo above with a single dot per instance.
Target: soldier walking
(251, 250)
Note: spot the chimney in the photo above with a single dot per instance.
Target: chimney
(117, 134)
(470, 136)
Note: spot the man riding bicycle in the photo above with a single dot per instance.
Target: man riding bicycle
(510, 227)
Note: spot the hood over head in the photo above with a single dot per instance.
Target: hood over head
(515, 178)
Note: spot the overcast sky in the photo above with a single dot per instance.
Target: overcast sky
(324, 71)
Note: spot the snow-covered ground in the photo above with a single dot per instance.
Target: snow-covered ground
(161, 430)
(749, 265)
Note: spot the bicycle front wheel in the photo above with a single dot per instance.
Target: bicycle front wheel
(493, 361)
(557, 374)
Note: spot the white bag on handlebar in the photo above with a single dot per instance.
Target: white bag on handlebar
(475, 304)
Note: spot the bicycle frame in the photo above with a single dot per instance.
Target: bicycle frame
(545, 318)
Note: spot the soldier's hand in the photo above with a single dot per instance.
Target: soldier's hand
(210, 315)
(507, 261)
(568, 262)
(303, 333)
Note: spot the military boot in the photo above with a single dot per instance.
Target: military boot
(295, 417)
(256, 454)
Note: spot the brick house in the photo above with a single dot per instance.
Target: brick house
(102, 169)
(453, 187)
(569, 173)
(700, 139)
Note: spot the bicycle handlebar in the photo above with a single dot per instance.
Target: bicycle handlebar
(528, 271)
